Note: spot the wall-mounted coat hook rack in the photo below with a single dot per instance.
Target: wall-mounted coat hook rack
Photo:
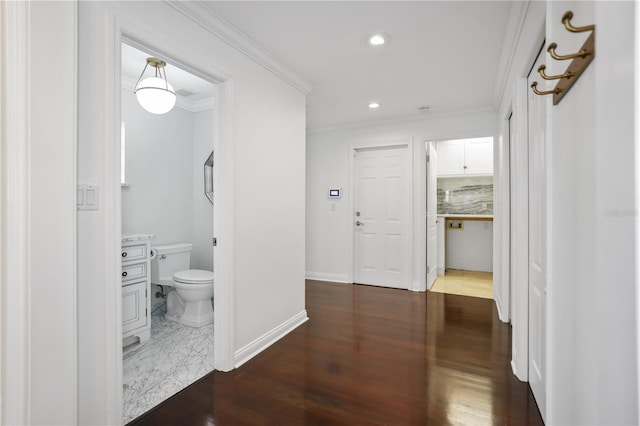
(544, 75)
(579, 61)
(566, 20)
(583, 53)
(534, 87)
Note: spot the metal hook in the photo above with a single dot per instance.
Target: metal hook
(566, 20)
(544, 75)
(581, 54)
(534, 86)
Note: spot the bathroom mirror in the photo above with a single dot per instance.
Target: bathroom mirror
(208, 178)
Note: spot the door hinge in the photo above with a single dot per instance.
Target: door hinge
(146, 312)
(428, 158)
(145, 293)
(215, 242)
(428, 269)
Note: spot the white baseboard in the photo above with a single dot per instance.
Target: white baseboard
(322, 276)
(513, 368)
(441, 271)
(247, 352)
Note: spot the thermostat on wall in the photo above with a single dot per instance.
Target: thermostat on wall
(335, 193)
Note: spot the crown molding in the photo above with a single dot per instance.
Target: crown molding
(517, 15)
(129, 84)
(201, 14)
(444, 112)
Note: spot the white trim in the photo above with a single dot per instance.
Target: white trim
(515, 24)
(223, 194)
(252, 349)
(326, 276)
(223, 229)
(637, 184)
(420, 213)
(502, 227)
(204, 16)
(407, 142)
(15, 259)
(519, 278)
(113, 223)
(75, 212)
(445, 112)
(108, 29)
(223, 209)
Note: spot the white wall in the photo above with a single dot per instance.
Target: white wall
(593, 258)
(159, 171)
(329, 231)
(203, 134)
(470, 248)
(52, 220)
(262, 232)
(592, 358)
(38, 214)
(165, 156)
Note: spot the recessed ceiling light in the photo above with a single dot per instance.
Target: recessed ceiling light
(378, 39)
(374, 105)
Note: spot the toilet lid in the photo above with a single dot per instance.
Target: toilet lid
(193, 276)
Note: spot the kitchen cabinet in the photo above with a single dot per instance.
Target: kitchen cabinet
(464, 157)
(136, 288)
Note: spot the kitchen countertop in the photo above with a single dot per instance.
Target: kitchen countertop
(467, 216)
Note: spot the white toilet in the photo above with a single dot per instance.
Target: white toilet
(190, 303)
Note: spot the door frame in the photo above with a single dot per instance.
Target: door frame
(515, 293)
(119, 28)
(394, 143)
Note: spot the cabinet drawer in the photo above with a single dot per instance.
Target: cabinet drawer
(134, 272)
(136, 252)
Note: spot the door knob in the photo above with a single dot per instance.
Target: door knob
(358, 223)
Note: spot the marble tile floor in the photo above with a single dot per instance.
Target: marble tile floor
(465, 283)
(175, 356)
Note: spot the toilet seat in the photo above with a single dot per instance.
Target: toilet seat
(193, 276)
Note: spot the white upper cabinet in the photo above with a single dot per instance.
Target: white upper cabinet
(465, 157)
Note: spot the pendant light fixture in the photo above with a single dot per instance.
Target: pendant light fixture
(155, 94)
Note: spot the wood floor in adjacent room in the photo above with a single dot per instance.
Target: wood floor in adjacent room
(369, 355)
(465, 283)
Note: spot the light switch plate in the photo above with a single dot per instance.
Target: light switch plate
(87, 197)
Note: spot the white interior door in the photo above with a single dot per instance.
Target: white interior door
(537, 243)
(383, 217)
(432, 214)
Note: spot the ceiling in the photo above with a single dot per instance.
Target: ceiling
(442, 54)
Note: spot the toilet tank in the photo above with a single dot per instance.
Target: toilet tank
(170, 258)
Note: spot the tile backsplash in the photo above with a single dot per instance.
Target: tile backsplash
(465, 195)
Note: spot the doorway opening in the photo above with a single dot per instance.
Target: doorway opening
(167, 216)
(460, 183)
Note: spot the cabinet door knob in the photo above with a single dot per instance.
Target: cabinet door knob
(124, 274)
(124, 254)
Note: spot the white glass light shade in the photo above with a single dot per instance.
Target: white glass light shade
(154, 97)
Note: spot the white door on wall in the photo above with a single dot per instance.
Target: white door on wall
(432, 214)
(537, 243)
(383, 216)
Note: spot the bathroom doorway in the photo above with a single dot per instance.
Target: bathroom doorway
(167, 216)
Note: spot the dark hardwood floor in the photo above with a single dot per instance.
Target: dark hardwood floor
(369, 355)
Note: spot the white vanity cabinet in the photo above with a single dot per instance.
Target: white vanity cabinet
(136, 287)
(465, 157)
